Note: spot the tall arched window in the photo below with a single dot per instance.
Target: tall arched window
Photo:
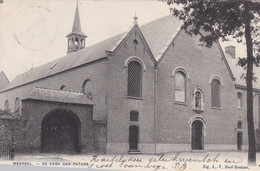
(134, 86)
(17, 104)
(180, 86)
(215, 93)
(6, 107)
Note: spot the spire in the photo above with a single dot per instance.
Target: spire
(76, 25)
(135, 19)
(76, 28)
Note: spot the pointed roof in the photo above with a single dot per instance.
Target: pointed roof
(76, 28)
(3, 80)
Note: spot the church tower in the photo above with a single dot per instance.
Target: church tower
(76, 39)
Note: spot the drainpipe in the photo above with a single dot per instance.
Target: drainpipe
(155, 105)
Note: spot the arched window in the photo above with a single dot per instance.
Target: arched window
(239, 125)
(87, 88)
(215, 93)
(180, 86)
(239, 100)
(135, 42)
(17, 104)
(82, 43)
(6, 105)
(76, 41)
(63, 88)
(198, 100)
(134, 86)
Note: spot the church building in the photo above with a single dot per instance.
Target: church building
(150, 90)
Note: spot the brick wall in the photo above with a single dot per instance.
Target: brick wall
(201, 64)
(28, 130)
(119, 106)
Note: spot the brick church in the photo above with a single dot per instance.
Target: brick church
(150, 90)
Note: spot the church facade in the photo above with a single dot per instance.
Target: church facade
(150, 90)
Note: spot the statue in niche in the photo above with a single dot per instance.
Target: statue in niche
(198, 100)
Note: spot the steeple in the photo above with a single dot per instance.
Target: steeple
(76, 39)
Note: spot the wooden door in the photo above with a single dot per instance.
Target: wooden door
(133, 137)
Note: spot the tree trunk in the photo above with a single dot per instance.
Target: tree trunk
(249, 79)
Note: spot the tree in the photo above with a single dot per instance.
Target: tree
(219, 19)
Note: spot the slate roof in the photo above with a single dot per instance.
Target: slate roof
(46, 94)
(157, 34)
(238, 71)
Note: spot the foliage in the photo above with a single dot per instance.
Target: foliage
(215, 20)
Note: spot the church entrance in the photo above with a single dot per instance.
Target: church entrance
(60, 132)
(197, 135)
(133, 137)
(239, 140)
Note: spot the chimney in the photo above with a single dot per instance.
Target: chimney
(231, 50)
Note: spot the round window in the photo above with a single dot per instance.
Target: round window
(87, 87)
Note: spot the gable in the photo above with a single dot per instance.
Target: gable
(3, 80)
(188, 48)
(154, 35)
(137, 32)
(178, 39)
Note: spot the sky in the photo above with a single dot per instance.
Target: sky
(33, 32)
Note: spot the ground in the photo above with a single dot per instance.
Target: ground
(215, 160)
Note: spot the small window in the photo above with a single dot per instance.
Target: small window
(135, 42)
(134, 116)
(6, 107)
(17, 104)
(87, 88)
(180, 87)
(134, 85)
(63, 88)
(239, 100)
(239, 125)
(215, 93)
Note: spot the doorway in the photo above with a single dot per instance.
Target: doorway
(60, 132)
(197, 135)
(133, 137)
(239, 140)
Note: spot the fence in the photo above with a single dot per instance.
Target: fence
(6, 152)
